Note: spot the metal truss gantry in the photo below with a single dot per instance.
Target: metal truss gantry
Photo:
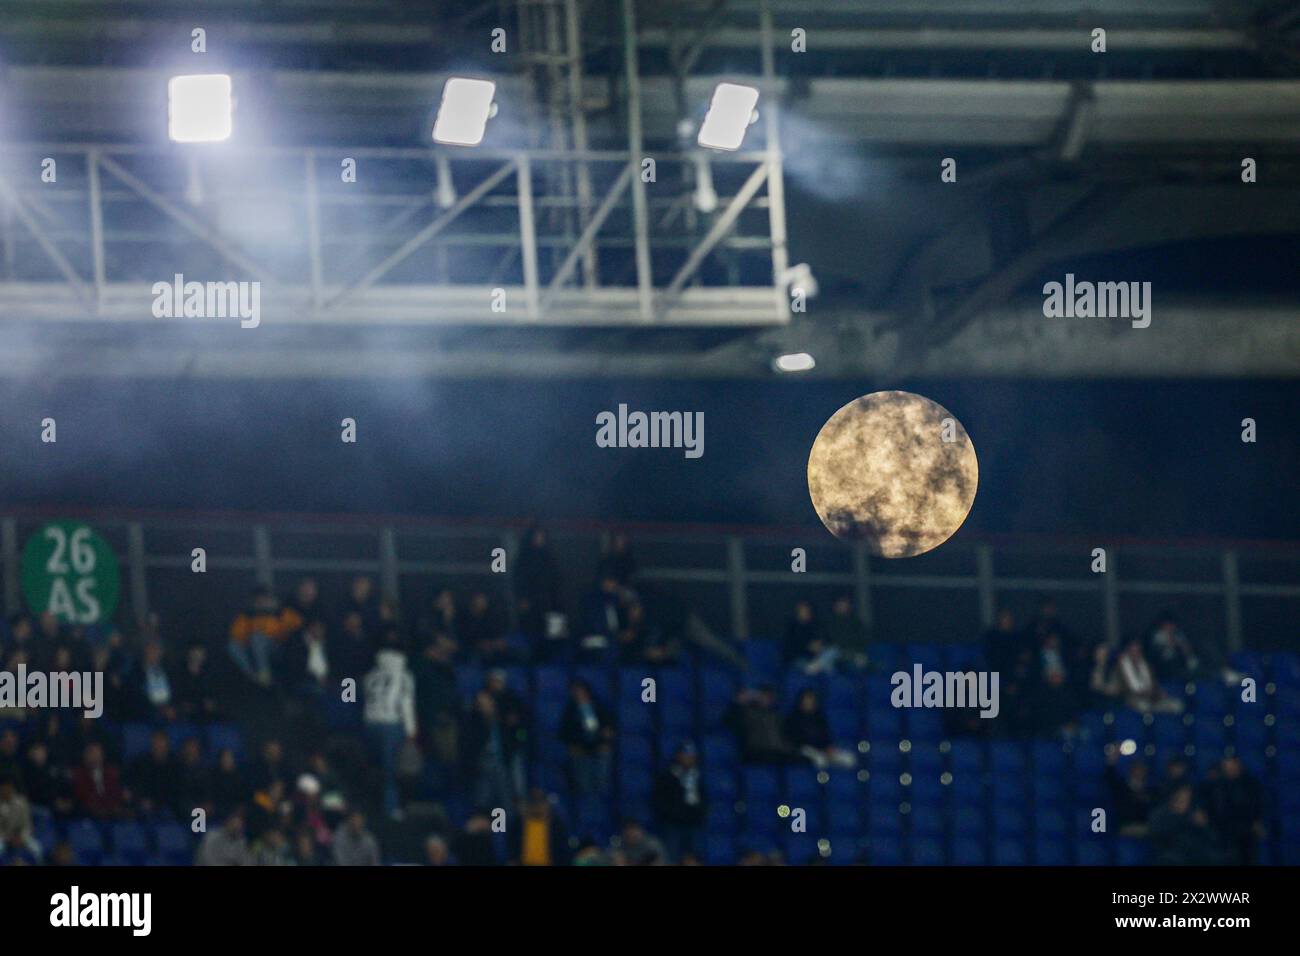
(553, 232)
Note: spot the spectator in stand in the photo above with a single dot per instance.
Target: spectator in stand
(437, 697)
(542, 838)
(1002, 643)
(268, 808)
(272, 849)
(1131, 794)
(537, 589)
(354, 845)
(271, 765)
(617, 561)
(1181, 834)
(363, 601)
(1138, 686)
(848, 635)
(809, 732)
(490, 751)
(306, 851)
(226, 784)
(436, 851)
(1234, 803)
(17, 839)
(390, 718)
(587, 729)
(1169, 651)
(483, 632)
(305, 601)
(98, 785)
(604, 617)
(679, 805)
(10, 755)
(256, 634)
(513, 713)
(196, 685)
(1103, 681)
(46, 784)
(225, 845)
(639, 848)
(307, 661)
(354, 651)
(1053, 693)
(755, 721)
(195, 784)
(21, 637)
(642, 643)
(153, 686)
(1177, 772)
(806, 646)
(474, 845)
(152, 779)
(443, 615)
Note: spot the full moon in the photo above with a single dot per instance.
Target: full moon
(895, 471)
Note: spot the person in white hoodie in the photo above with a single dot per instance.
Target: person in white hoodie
(389, 694)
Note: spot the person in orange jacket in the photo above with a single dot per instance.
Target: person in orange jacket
(256, 631)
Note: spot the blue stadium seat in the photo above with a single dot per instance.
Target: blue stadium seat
(801, 786)
(130, 844)
(721, 784)
(762, 788)
(719, 850)
(927, 852)
(968, 851)
(717, 688)
(226, 737)
(1009, 853)
(885, 850)
(87, 842)
(1050, 852)
(174, 844)
(763, 657)
(1008, 756)
(135, 740)
(925, 726)
(719, 751)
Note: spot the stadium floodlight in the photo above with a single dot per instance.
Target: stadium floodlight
(465, 109)
(794, 362)
(199, 108)
(730, 113)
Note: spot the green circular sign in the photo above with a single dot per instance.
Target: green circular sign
(71, 572)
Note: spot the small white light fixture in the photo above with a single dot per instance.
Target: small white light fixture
(730, 113)
(794, 362)
(1128, 748)
(706, 197)
(199, 108)
(465, 109)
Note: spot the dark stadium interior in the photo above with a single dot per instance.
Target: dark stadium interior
(468, 633)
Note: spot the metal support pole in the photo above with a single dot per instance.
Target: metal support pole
(96, 225)
(862, 584)
(389, 582)
(9, 547)
(775, 183)
(1110, 598)
(640, 212)
(988, 597)
(510, 541)
(262, 557)
(313, 231)
(528, 234)
(573, 40)
(139, 588)
(1232, 600)
(736, 583)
